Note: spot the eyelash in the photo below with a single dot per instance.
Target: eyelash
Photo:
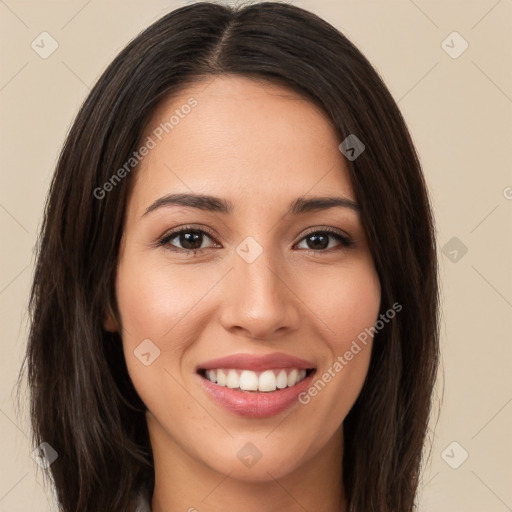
(346, 242)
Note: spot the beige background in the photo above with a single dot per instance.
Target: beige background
(459, 112)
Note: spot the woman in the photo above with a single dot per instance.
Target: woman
(235, 302)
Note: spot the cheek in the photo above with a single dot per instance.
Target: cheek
(347, 306)
(345, 301)
(153, 298)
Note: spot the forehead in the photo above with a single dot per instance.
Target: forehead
(252, 141)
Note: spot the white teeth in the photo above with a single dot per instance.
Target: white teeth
(233, 380)
(282, 379)
(211, 375)
(221, 378)
(267, 381)
(292, 377)
(247, 380)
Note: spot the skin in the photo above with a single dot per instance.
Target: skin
(260, 146)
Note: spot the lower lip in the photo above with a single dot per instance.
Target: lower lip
(256, 405)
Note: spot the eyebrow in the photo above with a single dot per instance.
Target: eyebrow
(216, 204)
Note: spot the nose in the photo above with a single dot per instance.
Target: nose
(260, 301)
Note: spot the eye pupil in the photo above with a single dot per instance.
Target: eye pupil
(189, 238)
(315, 237)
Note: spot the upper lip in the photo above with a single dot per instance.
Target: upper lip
(257, 363)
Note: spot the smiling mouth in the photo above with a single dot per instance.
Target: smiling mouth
(266, 381)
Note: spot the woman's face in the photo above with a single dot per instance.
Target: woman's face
(262, 280)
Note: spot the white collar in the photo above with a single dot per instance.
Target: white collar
(143, 500)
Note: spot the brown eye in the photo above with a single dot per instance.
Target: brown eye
(320, 240)
(185, 240)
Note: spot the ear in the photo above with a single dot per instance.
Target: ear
(109, 322)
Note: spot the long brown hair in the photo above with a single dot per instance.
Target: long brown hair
(82, 401)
